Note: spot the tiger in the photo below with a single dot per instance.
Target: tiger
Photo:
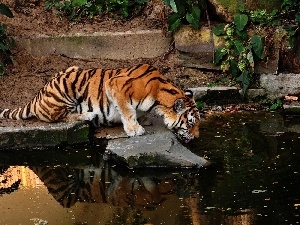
(110, 96)
(102, 184)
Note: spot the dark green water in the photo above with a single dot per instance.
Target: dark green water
(253, 180)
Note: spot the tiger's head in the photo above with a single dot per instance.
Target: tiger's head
(183, 118)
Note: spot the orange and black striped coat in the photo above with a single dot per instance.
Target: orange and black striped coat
(111, 96)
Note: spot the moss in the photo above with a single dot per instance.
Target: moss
(78, 134)
(263, 4)
(231, 5)
(234, 5)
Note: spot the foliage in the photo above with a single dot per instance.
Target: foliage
(80, 9)
(240, 52)
(5, 41)
(291, 12)
(184, 12)
(4, 10)
(275, 105)
(291, 8)
(200, 104)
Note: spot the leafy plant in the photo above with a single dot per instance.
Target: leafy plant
(200, 104)
(80, 9)
(5, 41)
(4, 10)
(275, 105)
(188, 11)
(291, 8)
(261, 17)
(240, 51)
(291, 12)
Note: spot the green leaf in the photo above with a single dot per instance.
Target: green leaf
(245, 79)
(233, 67)
(242, 34)
(4, 10)
(2, 69)
(240, 20)
(79, 3)
(219, 29)
(199, 104)
(276, 105)
(173, 6)
(250, 57)
(181, 7)
(238, 47)
(167, 2)
(12, 42)
(258, 46)
(174, 22)
(219, 55)
(297, 18)
(194, 17)
(3, 47)
(3, 28)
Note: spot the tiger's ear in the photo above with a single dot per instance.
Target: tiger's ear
(189, 93)
(179, 105)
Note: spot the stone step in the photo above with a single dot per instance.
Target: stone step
(225, 95)
(50, 135)
(102, 45)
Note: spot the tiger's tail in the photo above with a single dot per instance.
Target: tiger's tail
(21, 113)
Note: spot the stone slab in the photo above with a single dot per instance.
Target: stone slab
(103, 45)
(292, 108)
(195, 47)
(190, 40)
(51, 135)
(153, 150)
(218, 95)
(157, 148)
(253, 94)
(278, 86)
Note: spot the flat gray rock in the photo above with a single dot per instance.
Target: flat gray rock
(160, 149)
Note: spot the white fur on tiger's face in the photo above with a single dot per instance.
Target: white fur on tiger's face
(111, 96)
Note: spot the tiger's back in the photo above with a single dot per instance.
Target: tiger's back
(110, 96)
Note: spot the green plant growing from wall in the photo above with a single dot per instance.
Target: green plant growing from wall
(291, 12)
(188, 12)
(275, 104)
(240, 51)
(5, 42)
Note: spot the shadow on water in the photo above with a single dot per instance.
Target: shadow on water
(254, 179)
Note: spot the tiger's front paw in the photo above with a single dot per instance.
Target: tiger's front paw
(134, 130)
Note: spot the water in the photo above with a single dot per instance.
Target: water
(253, 180)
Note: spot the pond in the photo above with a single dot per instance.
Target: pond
(253, 180)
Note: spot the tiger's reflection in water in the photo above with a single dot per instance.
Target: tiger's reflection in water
(71, 185)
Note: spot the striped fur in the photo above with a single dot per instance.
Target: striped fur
(106, 97)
